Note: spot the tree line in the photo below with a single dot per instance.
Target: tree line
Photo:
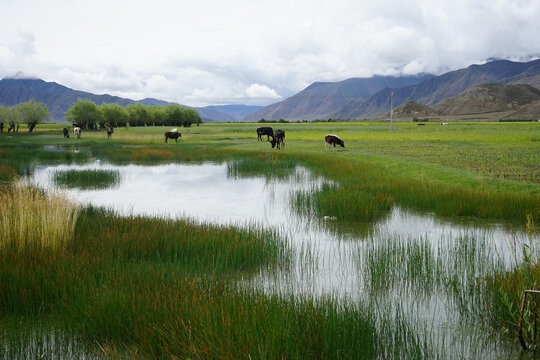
(88, 115)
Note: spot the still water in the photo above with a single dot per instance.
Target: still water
(327, 262)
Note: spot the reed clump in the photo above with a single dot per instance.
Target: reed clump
(86, 179)
(31, 220)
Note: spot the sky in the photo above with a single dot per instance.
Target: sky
(214, 52)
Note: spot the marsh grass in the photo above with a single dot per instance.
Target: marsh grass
(422, 265)
(195, 247)
(159, 288)
(31, 220)
(87, 179)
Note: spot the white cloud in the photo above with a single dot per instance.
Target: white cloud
(261, 92)
(210, 51)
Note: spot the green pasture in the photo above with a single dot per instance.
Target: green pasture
(136, 287)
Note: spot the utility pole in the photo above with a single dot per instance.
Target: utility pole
(392, 111)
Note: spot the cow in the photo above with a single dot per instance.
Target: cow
(66, 132)
(77, 132)
(110, 130)
(264, 131)
(172, 135)
(332, 140)
(444, 124)
(278, 138)
(421, 124)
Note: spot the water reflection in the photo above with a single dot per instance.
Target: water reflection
(328, 262)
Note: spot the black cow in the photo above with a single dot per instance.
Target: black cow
(278, 138)
(172, 135)
(264, 131)
(66, 132)
(331, 139)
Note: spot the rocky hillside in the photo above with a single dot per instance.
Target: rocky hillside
(411, 109)
(489, 98)
(529, 111)
(321, 99)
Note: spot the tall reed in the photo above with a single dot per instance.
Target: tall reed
(31, 220)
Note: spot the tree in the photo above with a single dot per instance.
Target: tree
(84, 113)
(138, 115)
(193, 116)
(32, 113)
(114, 115)
(158, 115)
(4, 114)
(176, 115)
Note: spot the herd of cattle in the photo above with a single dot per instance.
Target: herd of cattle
(278, 137)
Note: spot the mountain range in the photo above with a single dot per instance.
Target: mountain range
(59, 99)
(321, 99)
(433, 90)
(355, 98)
(368, 98)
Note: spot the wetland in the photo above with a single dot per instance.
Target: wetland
(220, 247)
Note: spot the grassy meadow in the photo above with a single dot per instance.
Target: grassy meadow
(85, 281)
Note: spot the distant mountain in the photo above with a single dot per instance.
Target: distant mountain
(489, 98)
(234, 112)
(154, 102)
(59, 99)
(321, 99)
(438, 88)
(209, 115)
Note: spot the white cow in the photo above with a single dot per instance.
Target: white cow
(77, 132)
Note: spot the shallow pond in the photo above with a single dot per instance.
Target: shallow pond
(343, 264)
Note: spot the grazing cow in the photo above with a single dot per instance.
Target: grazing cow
(421, 124)
(278, 138)
(110, 130)
(172, 135)
(332, 140)
(444, 124)
(264, 131)
(77, 132)
(66, 132)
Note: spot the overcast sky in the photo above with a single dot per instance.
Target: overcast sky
(201, 52)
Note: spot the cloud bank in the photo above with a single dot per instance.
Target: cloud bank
(214, 52)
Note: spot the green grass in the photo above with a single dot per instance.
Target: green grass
(86, 179)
